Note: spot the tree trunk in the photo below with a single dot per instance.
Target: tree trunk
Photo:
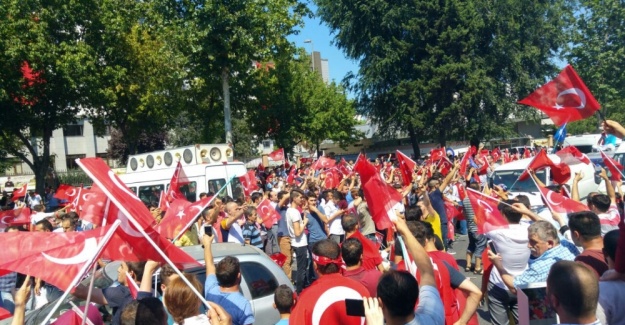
(227, 114)
(414, 141)
(42, 163)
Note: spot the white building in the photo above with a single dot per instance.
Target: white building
(76, 140)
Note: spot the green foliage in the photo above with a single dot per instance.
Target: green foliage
(447, 69)
(294, 106)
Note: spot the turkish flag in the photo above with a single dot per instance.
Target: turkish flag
(381, 199)
(371, 257)
(132, 286)
(249, 182)
(540, 161)
(364, 168)
(323, 162)
(66, 192)
(56, 258)
(129, 209)
(277, 155)
(343, 167)
(487, 216)
(615, 168)
(178, 180)
(438, 154)
(560, 173)
(290, 179)
(173, 224)
(268, 214)
(93, 208)
(406, 167)
(571, 156)
(333, 178)
(323, 302)
(176, 207)
(445, 166)
(74, 316)
(564, 99)
(19, 193)
(464, 163)
(496, 154)
(561, 204)
(22, 216)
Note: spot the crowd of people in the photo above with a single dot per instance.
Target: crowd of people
(406, 273)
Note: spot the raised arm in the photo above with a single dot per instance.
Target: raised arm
(418, 253)
(427, 203)
(148, 273)
(449, 177)
(536, 179)
(207, 242)
(575, 188)
(608, 186)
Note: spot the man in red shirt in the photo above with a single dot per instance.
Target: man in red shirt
(352, 254)
(324, 301)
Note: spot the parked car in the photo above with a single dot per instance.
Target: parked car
(260, 277)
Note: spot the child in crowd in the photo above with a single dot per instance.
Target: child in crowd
(283, 301)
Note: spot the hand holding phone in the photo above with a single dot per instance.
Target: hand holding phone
(208, 230)
(491, 245)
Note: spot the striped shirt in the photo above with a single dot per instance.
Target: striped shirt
(469, 215)
(609, 220)
(251, 232)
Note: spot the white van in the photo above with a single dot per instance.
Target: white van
(207, 166)
(508, 174)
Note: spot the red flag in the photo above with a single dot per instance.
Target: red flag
(323, 162)
(290, 179)
(277, 155)
(564, 99)
(464, 163)
(438, 154)
(268, 214)
(496, 154)
(56, 258)
(74, 316)
(381, 199)
(445, 166)
(364, 168)
(487, 216)
(332, 178)
(132, 286)
(19, 193)
(371, 257)
(94, 205)
(174, 223)
(129, 209)
(178, 180)
(66, 192)
(527, 153)
(571, 156)
(615, 167)
(343, 167)
(249, 182)
(561, 204)
(540, 161)
(406, 167)
(22, 216)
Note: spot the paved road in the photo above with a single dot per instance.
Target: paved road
(460, 246)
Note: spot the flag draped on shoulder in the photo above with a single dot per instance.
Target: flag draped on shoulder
(564, 99)
(487, 215)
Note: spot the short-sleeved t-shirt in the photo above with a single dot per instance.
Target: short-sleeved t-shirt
(438, 203)
(293, 216)
(435, 221)
(234, 303)
(594, 259)
(430, 308)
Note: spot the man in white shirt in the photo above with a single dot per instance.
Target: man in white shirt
(296, 222)
(334, 215)
(233, 223)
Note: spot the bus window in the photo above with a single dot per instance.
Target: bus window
(188, 189)
(150, 195)
(237, 189)
(133, 189)
(215, 185)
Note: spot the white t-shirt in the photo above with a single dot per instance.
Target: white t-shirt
(200, 319)
(293, 216)
(235, 234)
(511, 244)
(335, 225)
(40, 216)
(609, 220)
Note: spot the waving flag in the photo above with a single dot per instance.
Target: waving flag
(323, 162)
(564, 99)
(487, 216)
(175, 224)
(132, 286)
(290, 179)
(496, 154)
(364, 168)
(438, 154)
(560, 134)
(406, 167)
(343, 167)
(572, 156)
(178, 180)
(66, 192)
(332, 178)
(616, 169)
(560, 173)
(268, 215)
(466, 160)
(561, 204)
(277, 155)
(249, 182)
(19, 193)
(381, 198)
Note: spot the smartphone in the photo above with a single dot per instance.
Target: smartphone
(355, 307)
(491, 245)
(208, 230)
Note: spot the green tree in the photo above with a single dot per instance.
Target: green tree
(597, 51)
(446, 69)
(49, 37)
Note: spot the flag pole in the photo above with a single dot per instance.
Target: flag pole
(525, 170)
(84, 269)
(541, 194)
(611, 163)
(406, 257)
(80, 312)
(207, 204)
(95, 267)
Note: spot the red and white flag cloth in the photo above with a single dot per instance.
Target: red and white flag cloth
(332, 178)
(406, 167)
(277, 155)
(323, 162)
(496, 154)
(465, 162)
(248, 180)
(381, 197)
(14, 217)
(185, 212)
(616, 169)
(364, 168)
(132, 286)
(558, 203)
(19, 193)
(438, 154)
(344, 168)
(94, 205)
(129, 209)
(571, 156)
(66, 192)
(178, 180)
(268, 214)
(564, 99)
(487, 215)
(560, 173)
(56, 258)
(290, 179)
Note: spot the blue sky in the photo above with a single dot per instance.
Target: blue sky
(320, 35)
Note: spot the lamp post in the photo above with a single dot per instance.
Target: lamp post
(312, 52)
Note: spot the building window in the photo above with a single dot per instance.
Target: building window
(73, 130)
(71, 161)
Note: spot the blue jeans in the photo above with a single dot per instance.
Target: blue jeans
(463, 227)
(6, 301)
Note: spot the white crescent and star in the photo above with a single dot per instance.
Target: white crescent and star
(72, 193)
(485, 205)
(4, 220)
(90, 247)
(126, 227)
(331, 296)
(180, 214)
(550, 200)
(571, 91)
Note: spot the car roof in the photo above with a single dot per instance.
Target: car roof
(221, 250)
(523, 163)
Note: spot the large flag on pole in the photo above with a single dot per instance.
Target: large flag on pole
(561, 204)
(564, 99)
(487, 215)
(406, 167)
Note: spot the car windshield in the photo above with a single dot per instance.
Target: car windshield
(510, 179)
(584, 148)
